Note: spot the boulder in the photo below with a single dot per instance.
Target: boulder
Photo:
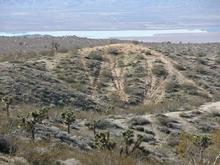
(107, 124)
(138, 120)
(148, 138)
(69, 162)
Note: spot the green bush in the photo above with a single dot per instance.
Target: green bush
(190, 89)
(172, 86)
(113, 51)
(217, 58)
(159, 71)
(95, 55)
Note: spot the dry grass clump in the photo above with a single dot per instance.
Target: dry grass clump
(44, 153)
(199, 149)
(63, 50)
(18, 57)
(154, 108)
(47, 53)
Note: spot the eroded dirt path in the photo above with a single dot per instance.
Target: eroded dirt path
(155, 87)
(169, 64)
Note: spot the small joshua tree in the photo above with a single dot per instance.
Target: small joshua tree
(29, 121)
(128, 136)
(130, 144)
(7, 102)
(92, 126)
(193, 148)
(55, 46)
(68, 118)
(201, 142)
(103, 141)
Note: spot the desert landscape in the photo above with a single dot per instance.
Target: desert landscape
(114, 82)
(82, 101)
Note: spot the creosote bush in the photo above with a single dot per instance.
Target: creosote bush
(95, 55)
(113, 51)
(159, 71)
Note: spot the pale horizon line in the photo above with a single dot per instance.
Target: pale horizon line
(103, 33)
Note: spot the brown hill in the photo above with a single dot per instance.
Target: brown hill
(116, 75)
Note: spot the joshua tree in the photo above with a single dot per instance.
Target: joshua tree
(7, 102)
(55, 46)
(68, 118)
(201, 142)
(29, 121)
(103, 141)
(128, 139)
(130, 144)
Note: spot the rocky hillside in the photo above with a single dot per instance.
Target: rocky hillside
(119, 103)
(117, 75)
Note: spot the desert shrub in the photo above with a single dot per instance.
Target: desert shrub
(202, 61)
(132, 90)
(139, 71)
(201, 70)
(201, 54)
(113, 51)
(159, 71)
(148, 52)
(115, 100)
(179, 67)
(95, 55)
(94, 67)
(120, 64)
(106, 76)
(190, 89)
(217, 58)
(172, 86)
(79, 86)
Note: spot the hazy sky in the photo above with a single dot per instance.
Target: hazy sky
(40, 15)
